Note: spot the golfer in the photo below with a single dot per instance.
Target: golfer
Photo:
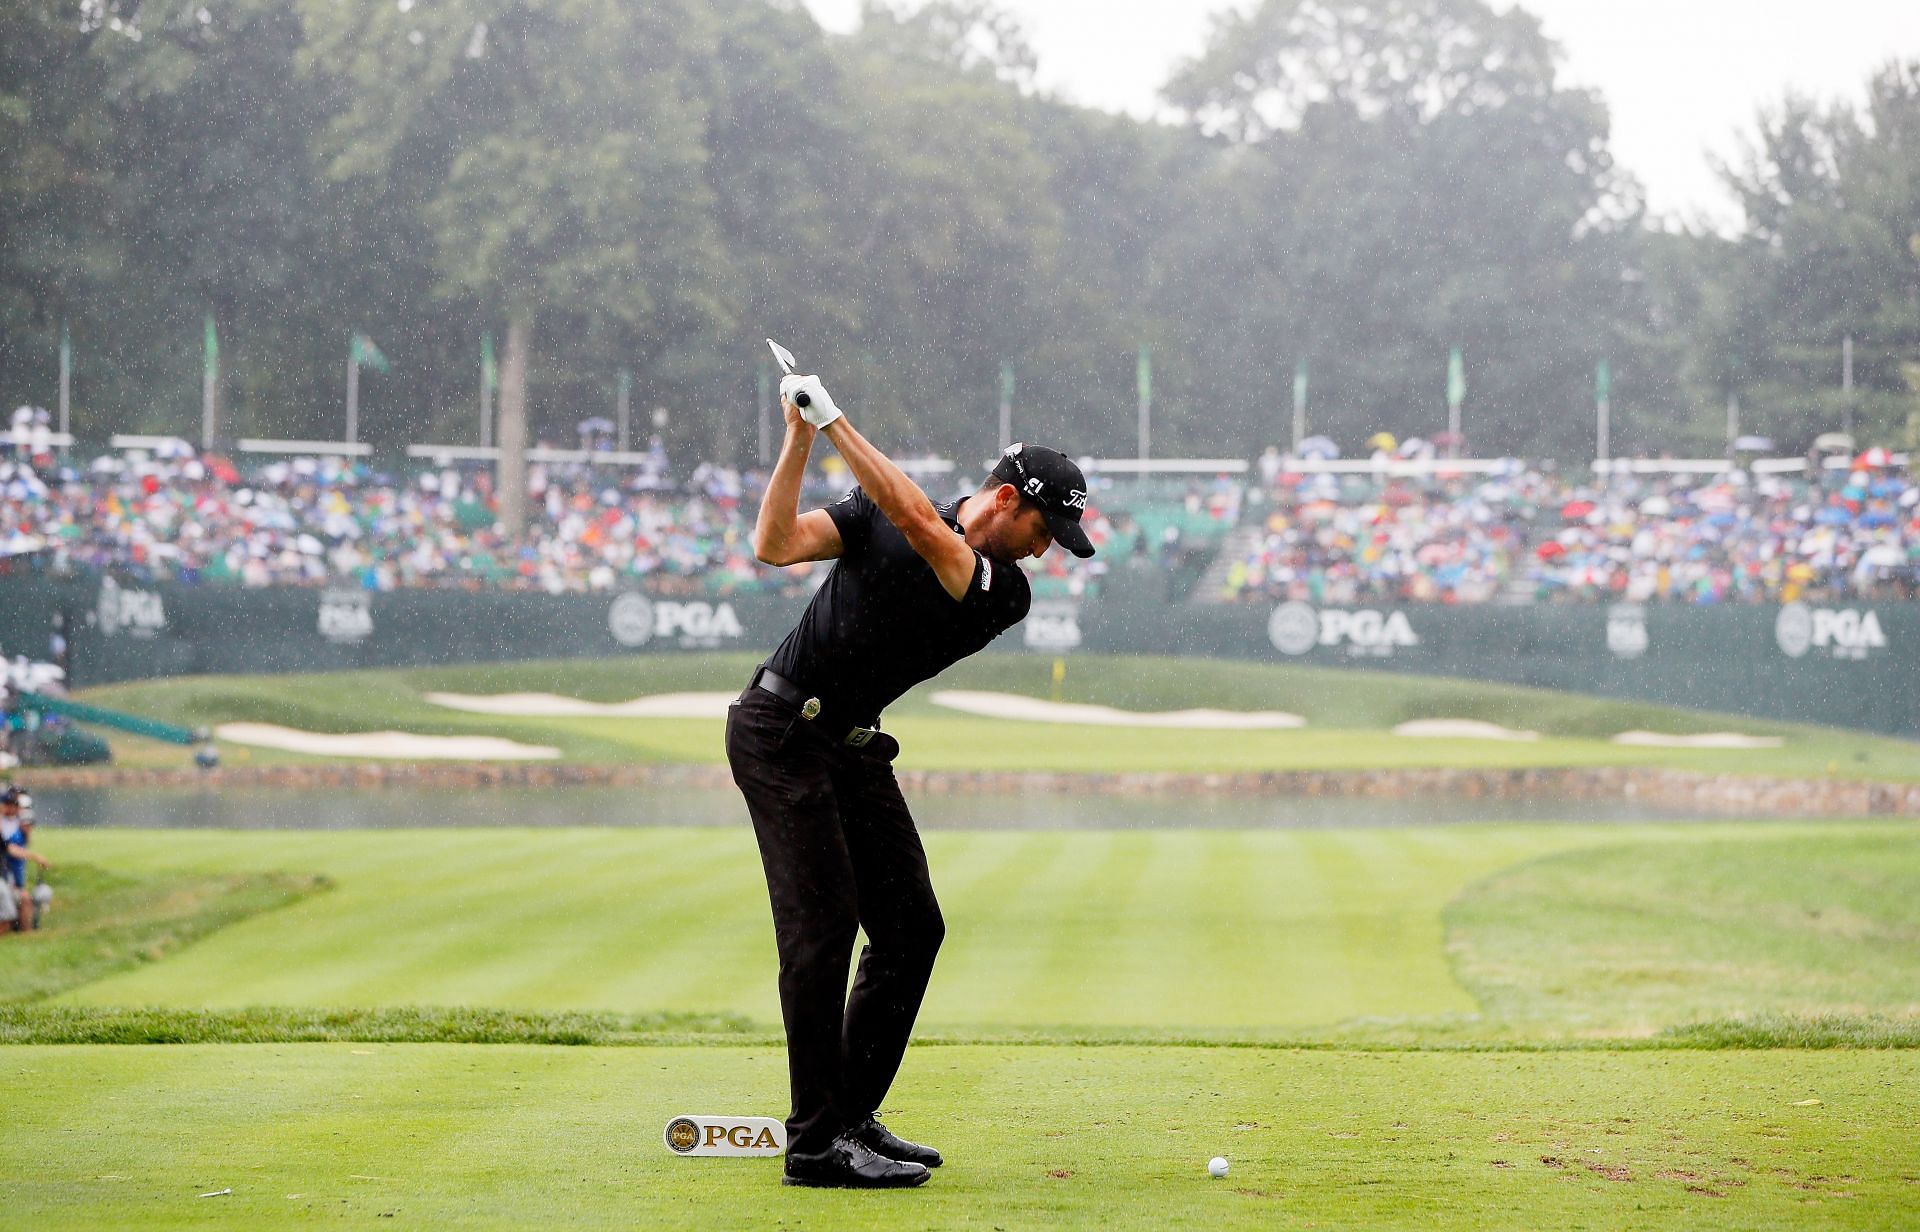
(916, 587)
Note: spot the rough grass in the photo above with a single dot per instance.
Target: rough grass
(1348, 713)
(101, 923)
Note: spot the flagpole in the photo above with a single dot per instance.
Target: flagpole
(353, 389)
(66, 384)
(1456, 394)
(1603, 412)
(764, 407)
(210, 386)
(1143, 378)
(486, 389)
(1006, 406)
(1299, 405)
(623, 410)
(1846, 384)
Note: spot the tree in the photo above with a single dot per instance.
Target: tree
(1829, 250)
(55, 237)
(555, 157)
(1411, 177)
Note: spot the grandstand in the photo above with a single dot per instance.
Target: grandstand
(1384, 530)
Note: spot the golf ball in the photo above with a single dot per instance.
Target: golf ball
(1217, 1166)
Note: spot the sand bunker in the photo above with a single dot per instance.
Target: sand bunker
(1036, 710)
(1706, 740)
(554, 706)
(383, 744)
(1463, 729)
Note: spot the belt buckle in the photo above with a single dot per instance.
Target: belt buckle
(810, 709)
(860, 737)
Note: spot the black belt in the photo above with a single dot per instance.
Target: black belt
(770, 681)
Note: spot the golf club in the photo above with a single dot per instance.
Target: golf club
(786, 365)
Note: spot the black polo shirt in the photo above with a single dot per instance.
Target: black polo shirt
(882, 622)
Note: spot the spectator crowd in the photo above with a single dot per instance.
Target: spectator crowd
(1523, 534)
(305, 521)
(1528, 535)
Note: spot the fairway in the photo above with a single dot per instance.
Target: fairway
(1462, 933)
(440, 1136)
(1476, 1025)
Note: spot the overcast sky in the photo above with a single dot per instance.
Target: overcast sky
(1681, 77)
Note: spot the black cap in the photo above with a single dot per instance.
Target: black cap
(1050, 480)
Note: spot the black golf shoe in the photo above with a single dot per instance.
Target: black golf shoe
(851, 1164)
(880, 1141)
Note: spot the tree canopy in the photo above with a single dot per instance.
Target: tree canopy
(1360, 184)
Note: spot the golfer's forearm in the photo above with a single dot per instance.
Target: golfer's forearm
(886, 485)
(773, 529)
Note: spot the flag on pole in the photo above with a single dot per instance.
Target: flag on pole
(366, 353)
(1602, 381)
(1143, 376)
(489, 370)
(1456, 378)
(1006, 384)
(210, 387)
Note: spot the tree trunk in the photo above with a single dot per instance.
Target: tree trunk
(510, 476)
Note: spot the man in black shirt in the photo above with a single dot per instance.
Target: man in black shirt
(916, 587)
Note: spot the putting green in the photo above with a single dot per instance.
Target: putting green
(448, 1136)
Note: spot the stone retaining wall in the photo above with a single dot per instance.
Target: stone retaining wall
(1731, 795)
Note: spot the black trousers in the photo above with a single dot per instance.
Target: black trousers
(841, 854)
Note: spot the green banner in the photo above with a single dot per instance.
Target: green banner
(1300, 385)
(1143, 375)
(213, 348)
(1602, 381)
(489, 371)
(1456, 378)
(1006, 383)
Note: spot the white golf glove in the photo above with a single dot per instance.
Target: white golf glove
(820, 410)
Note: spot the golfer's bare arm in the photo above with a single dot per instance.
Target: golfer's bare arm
(907, 507)
(782, 535)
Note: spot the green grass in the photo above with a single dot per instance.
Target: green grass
(1455, 935)
(1636, 937)
(1349, 713)
(102, 922)
(1476, 1026)
(443, 1136)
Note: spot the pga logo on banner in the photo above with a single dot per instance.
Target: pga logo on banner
(1846, 633)
(1296, 628)
(346, 616)
(635, 620)
(1052, 625)
(129, 610)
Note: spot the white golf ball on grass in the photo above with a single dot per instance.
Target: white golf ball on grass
(1217, 1166)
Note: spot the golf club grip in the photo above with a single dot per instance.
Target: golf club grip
(803, 399)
